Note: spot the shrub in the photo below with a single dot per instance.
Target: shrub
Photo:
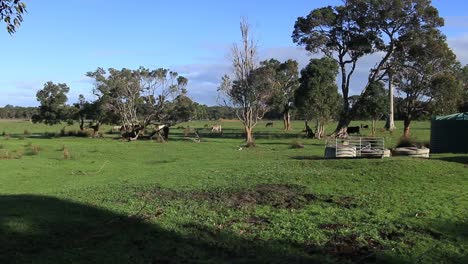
(405, 142)
(26, 132)
(3, 133)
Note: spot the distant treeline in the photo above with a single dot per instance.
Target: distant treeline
(17, 112)
(202, 112)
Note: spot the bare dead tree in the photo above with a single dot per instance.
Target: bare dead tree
(246, 92)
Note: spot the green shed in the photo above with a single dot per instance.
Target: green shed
(449, 134)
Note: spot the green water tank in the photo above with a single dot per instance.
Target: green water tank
(449, 134)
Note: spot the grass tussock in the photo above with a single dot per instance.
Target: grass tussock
(406, 142)
(6, 154)
(66, 153)
(33, 150)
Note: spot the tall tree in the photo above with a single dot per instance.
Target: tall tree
(348, 32)
(317, 97)
(421, 59)
(11, 12)
(247, 92)
(52, 99)
(283, 78)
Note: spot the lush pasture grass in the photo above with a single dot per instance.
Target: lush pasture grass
(215, 201)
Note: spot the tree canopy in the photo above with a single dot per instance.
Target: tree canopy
(423, 63)
(317, 97)
(137, 97)
(52, 99)
(11, 12)
(283, 79)
(348, 32)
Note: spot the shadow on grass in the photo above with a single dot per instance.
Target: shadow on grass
(456, 159)
(309, 158)
(43, 229)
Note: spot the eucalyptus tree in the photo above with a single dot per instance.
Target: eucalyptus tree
(283, 78)
(349, 32)
(317, 97)
(423, 61)
(137, 97)
(52, 108)
(247, 92)
(11, 12)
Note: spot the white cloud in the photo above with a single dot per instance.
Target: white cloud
(205, 77)
(460, 46)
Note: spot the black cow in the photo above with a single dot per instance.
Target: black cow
(269, 124)
(364, 126)
(353, 130)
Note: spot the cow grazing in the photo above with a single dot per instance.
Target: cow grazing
(217, 129)
(269, 124)
(364, 126)
(353, 130)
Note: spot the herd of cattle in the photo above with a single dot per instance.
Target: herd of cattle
(163, 129)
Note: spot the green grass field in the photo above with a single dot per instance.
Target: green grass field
(101, 200)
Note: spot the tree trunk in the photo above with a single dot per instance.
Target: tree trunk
(82, 127)
(390, 125)
(373, 127)
(287, 119)
(308, 130)
(285, 122)
(406, 129)
(249, 140)
(96, 129)
(342, 127)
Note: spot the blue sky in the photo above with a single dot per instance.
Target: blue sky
(61, 40)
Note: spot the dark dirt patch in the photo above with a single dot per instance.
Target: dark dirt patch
(351, 248)
(283, 196)
(400, 230)
(348, 202)
(275, 195)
